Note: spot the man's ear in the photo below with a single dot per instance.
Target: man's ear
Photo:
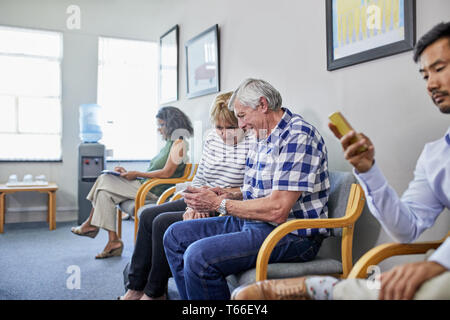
(264, 104)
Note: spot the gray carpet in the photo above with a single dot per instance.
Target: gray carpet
(34, 262)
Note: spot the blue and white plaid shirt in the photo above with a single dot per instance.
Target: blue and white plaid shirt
(292, 158)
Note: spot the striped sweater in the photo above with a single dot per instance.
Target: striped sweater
(222, 165)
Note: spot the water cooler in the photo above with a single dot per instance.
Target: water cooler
(91, 156)
(91, 159)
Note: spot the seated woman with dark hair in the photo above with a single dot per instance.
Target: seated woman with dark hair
(109, 190)
(221, 166)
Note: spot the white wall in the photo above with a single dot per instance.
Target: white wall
(283, 42)
(126, 19)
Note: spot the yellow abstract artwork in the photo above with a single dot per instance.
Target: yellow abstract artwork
(360, 25)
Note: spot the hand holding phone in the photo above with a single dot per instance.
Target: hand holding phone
(344, 127)
(358, 149)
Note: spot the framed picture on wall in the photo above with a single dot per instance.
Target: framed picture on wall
(364, 30)
(202, 63)
(168, 66)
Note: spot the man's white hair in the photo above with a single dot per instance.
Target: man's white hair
(250, 92)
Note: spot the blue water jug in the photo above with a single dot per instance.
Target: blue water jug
(90, 129)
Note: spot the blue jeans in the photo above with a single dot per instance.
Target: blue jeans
(203, 252)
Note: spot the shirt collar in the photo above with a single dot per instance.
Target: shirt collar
(285, 119)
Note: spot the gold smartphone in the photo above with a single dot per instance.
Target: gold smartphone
(344, 126)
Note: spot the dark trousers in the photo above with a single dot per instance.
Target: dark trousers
(149, 270)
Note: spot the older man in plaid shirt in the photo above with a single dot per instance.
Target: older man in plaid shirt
(286, 178)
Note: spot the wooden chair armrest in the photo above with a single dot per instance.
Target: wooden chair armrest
(145, 188)
(282, 230)
(165, 195)
(140, 190)
(140, 200)
(177, 196)
(141, 195)
(172, 190)
(355, 205)
(193, 172)
(387, 250)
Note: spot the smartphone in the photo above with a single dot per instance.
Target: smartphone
(343, 126)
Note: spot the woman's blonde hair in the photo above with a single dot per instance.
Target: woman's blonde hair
(220, 111)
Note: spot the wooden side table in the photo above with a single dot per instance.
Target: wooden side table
(50, 189)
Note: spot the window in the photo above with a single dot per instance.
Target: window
(127, 94)
(30, 94)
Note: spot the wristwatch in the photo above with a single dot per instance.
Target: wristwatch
(222, 208)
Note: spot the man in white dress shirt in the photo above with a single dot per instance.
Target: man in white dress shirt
(403, 218)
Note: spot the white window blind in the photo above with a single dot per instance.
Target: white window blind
(30, 94)
(127, 94)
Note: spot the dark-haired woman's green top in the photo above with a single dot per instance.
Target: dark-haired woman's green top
(158, 162)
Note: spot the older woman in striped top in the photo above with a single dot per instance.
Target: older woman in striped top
(221, 166)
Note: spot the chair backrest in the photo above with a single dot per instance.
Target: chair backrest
(188, 176)
(340, 184)
(366, 230)
(179, 187)
(187, 171)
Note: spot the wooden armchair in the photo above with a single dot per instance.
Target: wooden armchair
(172, 191)
(387, 250)
(355, 205)
(132, 206)
(354, 231)
(346, 203)
(188, 175)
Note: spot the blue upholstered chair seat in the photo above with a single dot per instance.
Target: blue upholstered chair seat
(289, 270)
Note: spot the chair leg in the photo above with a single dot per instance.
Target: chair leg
(119, 223)
(136, 224)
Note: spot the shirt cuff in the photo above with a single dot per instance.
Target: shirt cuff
(373, 179)
(442, 254)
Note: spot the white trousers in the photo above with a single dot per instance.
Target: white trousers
(437, 288)
(108, 191)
